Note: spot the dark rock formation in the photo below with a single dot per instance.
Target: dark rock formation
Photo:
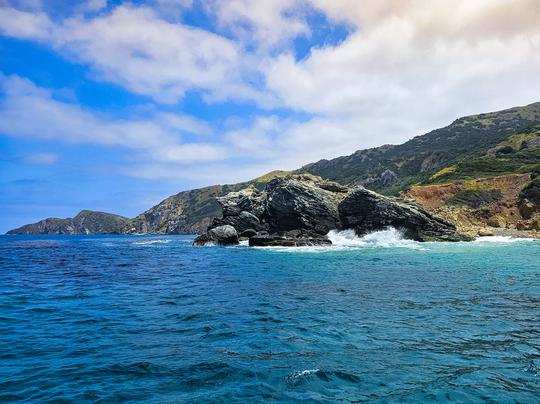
(242, 210)
(299, 202)
(221, 235)
(86, 222)
(300, 210)
(366, 211)
(295, 210)
(287, 241)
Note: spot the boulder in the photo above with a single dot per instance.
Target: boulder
(298, 203)
(529, 199)
(221, 235)
(526, 209)
(366, 211)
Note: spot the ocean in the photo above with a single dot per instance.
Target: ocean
(379, 319)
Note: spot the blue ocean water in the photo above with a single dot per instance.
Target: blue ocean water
(139, 318)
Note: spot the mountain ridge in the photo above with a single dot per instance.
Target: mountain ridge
(475, 146)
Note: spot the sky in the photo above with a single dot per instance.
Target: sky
(115, 105)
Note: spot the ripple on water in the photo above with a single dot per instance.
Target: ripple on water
(376, 319)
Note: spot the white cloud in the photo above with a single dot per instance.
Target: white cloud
(25, 25)
(157, 139)
(266, 22)
(410, 66)
(135, 48)
(407, 66)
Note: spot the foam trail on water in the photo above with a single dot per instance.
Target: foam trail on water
(501, 239)
(149, 242)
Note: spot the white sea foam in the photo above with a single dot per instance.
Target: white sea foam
(302, 373)
(149, 242)
(348, 240)
(501, 239)
(389, 238)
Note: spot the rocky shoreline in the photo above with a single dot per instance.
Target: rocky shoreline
(300, 210)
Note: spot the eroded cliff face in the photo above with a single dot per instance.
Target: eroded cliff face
(301, 209)
(487, 206)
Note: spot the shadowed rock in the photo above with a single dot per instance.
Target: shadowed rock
(366, 211)
(300, 210)
(221, 235)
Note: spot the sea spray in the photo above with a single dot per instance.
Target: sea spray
(388, 238)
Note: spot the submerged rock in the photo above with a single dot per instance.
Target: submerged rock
(284, 241)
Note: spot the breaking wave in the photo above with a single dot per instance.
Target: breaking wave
(501, 239)
(389, 238)
(149, 242)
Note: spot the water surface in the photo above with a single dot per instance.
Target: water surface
(119, 318)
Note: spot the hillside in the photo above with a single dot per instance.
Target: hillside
(190, 211)
(479, 146)
(86, 222)
(470, 140)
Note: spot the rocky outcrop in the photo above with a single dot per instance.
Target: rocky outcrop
(366, 211)
(295, 210)
(86, 222)
(302, 202)
(300, 210)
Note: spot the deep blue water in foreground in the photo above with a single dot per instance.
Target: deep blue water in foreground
(120, 318)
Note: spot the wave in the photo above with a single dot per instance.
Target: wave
(501, 239)
(149, 242)
(389, 238)
(348, 240)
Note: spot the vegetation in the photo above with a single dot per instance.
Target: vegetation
(460, 150)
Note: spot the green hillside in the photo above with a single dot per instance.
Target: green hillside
(466, 145)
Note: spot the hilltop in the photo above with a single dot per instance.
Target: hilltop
(477, 147)
(86, 222)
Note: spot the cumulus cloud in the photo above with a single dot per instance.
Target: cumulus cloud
(416, 64)
(267, 23)
(406, 66)
(135, 48)
(157, 139)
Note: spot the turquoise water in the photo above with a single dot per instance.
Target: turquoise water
(119, 318)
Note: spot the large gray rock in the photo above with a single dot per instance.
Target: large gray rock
(366, 211)
(221, 235)
(300, 210)
(301, 203)
(242, 210)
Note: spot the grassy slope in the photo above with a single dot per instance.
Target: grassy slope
(417, 160)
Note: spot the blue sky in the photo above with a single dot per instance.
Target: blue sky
(113, 106)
